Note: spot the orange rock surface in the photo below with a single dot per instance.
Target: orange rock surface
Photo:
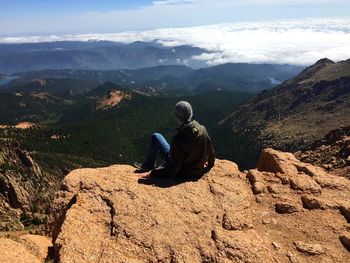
(284, 211)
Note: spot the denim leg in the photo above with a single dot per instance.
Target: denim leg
(158, 144)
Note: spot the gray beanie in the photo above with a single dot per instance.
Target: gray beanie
(183, 111)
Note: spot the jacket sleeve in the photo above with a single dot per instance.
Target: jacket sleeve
(175, 161)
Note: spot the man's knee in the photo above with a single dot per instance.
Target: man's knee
(156, 137)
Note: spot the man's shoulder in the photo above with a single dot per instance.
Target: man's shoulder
(201, 128)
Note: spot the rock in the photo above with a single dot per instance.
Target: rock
(12, 251)
(9, 217)
(258, 199)
(276, 245)
(109, 213)
(274, 189)
(331, 182)
(310, 202)
(268, 221)
(256, 180)
(345, 212)
(292, 257)
(345, 240)
(284, 179)
(25, 157)
(37, 245)
(235, 222)
(286, 208)
(310, 249)
(18, 195)
(277, 162)
(305, 184)
(258, 188)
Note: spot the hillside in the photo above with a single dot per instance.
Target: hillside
(292, 115)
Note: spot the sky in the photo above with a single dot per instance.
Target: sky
(32, 17)
(291, 31)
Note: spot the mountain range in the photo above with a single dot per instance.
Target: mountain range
(167, 79)
(97, 55)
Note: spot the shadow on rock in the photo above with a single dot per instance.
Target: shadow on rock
(166, 181)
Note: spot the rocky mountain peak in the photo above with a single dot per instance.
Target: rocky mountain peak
(310, 71)
(323, 62)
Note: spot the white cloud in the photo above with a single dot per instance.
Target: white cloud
(289, 41)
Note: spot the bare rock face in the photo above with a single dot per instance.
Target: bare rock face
(110, 215)
(22, 185)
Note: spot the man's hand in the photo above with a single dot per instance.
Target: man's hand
(144, 175)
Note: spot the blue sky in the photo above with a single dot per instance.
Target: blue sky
(28, 17)
(16, 7)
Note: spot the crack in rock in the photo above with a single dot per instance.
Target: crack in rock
(110, 204)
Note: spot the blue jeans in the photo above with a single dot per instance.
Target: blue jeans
(158, 144)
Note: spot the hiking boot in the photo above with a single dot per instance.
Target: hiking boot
(142, 167)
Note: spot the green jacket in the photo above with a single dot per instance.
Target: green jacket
(190, 149)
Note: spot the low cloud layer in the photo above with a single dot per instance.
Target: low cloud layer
(292, 41)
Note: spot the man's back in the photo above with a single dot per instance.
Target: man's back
(190, 149)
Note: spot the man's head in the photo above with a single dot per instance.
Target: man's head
(184, 112)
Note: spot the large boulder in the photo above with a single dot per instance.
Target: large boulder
(111, 215)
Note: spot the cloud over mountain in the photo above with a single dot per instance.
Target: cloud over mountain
(287, 41)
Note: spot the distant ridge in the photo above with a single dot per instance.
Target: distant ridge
(100, 55)
(235, 77)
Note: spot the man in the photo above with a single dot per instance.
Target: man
(191, 152)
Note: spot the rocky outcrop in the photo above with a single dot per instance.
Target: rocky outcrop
(24, 189)
(331, 152)
(283, 211)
